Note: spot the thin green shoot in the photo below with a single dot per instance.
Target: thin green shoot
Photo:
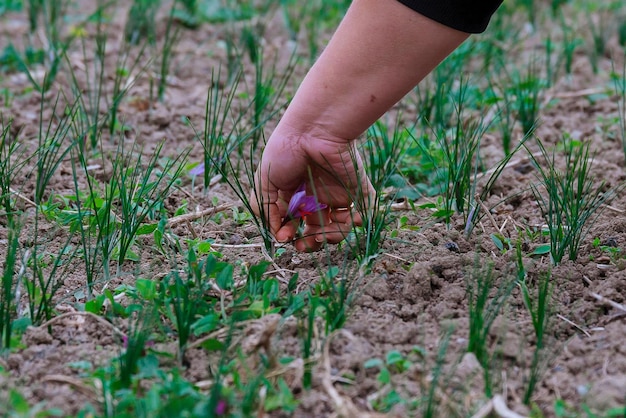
(53, 12)
(434, 106)
(335, 296)
(231, 175)
(184, 308)
(382, 152)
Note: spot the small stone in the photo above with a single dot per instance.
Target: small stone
(610, 242)
(452, 246)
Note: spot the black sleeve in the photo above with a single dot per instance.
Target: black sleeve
(464, 15)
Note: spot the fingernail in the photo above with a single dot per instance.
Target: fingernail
(319, 239)
(282, 238)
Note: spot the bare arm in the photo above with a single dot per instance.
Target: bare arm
(380, 51)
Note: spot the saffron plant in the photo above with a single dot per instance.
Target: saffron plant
(302, 205)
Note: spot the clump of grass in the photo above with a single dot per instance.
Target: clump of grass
(7, 295)
(540, 310)
(569, 200)
(8, 173)
(54, 143)
(268, 87)
(459, 147)
(216, 140)
(135, 344)
(430, 404)
(486, 298)
(619, 86)
(110, 217)
(435, 107)
(48, 270)
(172, 35)
(90, 89)
(141, 22)
(505, 120)
(11, 164)
(231, 176)
(598, 22)
(570, 42)
(526, 88)
(141, 189)
(382, 152)
(460, 164)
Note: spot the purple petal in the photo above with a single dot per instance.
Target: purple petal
(220, 408)
(294, 204)
(302, 205)
(197, 170)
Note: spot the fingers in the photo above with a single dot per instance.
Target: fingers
(331, 227)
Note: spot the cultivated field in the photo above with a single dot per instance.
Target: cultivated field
(489, 278)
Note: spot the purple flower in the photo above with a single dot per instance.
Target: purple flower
(302, 205)
(221, 407)
(197, 170)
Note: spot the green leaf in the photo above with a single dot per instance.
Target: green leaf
(497, 241)
(205, 324)
(146, 288)
(204, 247)
(333, 271)
(80, 365)
(213, 345)
(95, 305)
(147, 229)
(271, 291)
(131, 256)
(384, 376)
(618, 412)
(394, 357)
(18, 402)
(373, 362)
(225, 278)
(210, 264)
(293, 283)
(541, 250)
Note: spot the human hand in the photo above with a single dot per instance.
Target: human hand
(332, 171)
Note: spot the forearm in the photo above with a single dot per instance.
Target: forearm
(380, 51)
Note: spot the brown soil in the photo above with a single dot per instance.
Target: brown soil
(416, 295)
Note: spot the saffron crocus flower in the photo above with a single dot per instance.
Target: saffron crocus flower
(197, 170)
(302, 205)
